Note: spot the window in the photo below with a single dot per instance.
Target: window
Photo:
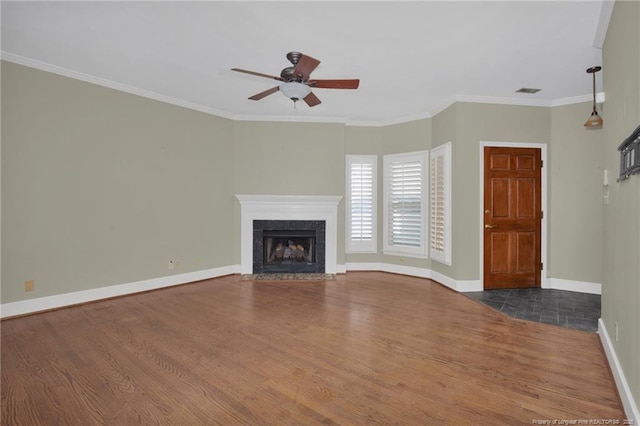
(440, 197)
(362, 203)
(405, 201)
(630, 155)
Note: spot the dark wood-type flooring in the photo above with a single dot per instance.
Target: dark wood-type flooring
(368, 348)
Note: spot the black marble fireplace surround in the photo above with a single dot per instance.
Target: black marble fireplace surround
(288, 246)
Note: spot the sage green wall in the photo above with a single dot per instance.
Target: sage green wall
(289, 158)
(399, 138)
(476, 123)
(366, 141)
(574, 211)
(407, 137)
(621, 251)
(363, 140)
(100, 187)
(281, 158)
(445, 130)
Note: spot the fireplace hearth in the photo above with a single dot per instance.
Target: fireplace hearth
(288, 246)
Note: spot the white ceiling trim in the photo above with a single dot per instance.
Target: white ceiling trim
(21, 60)
(600, 96)
(606, 11)
(278, 118)
(390, 122)
(65, 72)
(525, 102)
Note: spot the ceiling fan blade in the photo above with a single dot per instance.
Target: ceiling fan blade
(259, 74)
(335, 84)
(266, 93)
(311, 99)
(304, 67)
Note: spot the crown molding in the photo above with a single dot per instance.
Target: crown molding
(390, 122)
(606, 10)
(65, 72)
(293, 119)
(32, 63)
(600, 97)
(503, 101)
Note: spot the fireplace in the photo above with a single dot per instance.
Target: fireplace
(290, 208)
(288, 246)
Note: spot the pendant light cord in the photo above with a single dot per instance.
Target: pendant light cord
(594, 91)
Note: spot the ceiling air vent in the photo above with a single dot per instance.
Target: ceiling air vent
(527, 90)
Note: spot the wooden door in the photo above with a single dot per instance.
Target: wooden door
(512, 217)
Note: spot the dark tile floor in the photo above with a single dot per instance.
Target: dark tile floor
(558, 307)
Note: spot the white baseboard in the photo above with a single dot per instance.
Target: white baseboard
(570, 285)
(363, 266)
(467, 286)
(391, 268)
(457, 285)
(628, 403)
(406, 270)
(61, 300)
(67, 299)
(444, 280)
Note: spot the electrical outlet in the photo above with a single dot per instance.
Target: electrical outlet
(29, 285)
(617, 334)
(172, 264)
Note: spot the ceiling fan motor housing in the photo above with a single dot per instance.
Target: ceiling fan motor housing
(287, 74)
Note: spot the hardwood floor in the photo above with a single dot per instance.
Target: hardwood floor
(369, 348)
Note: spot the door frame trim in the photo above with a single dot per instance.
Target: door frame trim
(543, 156)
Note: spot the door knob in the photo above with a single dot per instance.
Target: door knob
(490, 226)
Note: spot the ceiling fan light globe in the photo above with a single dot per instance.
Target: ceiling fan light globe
(295, 91)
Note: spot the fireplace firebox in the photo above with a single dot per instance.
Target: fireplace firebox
(288, 246)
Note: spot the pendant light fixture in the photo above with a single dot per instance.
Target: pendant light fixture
(594, 120)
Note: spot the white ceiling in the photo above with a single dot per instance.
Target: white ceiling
(412, 58)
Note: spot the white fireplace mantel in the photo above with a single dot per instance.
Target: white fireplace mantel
(288, 207)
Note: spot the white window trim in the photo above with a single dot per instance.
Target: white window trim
(442, 256)
(397, 250)
(362, 246)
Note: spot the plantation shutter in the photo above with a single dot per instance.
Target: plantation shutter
(361, 203)
(406, 214)
(437, 204)
(440, 201)
(405, 192)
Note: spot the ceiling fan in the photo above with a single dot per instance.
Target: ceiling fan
(297, 82)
